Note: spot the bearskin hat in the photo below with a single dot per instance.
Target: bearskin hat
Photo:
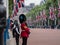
(22, 18)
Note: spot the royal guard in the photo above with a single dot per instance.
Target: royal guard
(25, 30)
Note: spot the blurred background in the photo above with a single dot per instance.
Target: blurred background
(39, 13)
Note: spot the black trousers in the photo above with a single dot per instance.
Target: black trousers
(17, 40)
(24, 40)
(16, 36)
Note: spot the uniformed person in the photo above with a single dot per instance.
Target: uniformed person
(25, 30)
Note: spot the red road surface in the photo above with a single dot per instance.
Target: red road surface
(44, 37)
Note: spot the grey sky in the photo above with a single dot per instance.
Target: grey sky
(27, 2)
(37, 2)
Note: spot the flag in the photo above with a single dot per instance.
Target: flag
(14, 11)
(22, 0)
(14, 2)
(38, 17)
(44, 14)
(19, 4)
(17, 1)
(59, 3)
(59, 9)
(16, 7)
(52, 14)
(52, 11)
(22, 4)
(59, 13)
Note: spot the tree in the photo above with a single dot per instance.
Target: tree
(46, 5)
(10, 6)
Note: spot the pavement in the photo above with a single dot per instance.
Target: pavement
(43, 37)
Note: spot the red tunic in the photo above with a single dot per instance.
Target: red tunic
(25, 30)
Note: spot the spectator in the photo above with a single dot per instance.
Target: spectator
(15, 31)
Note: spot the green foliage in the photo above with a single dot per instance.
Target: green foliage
(10, 6)
(46, 5)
